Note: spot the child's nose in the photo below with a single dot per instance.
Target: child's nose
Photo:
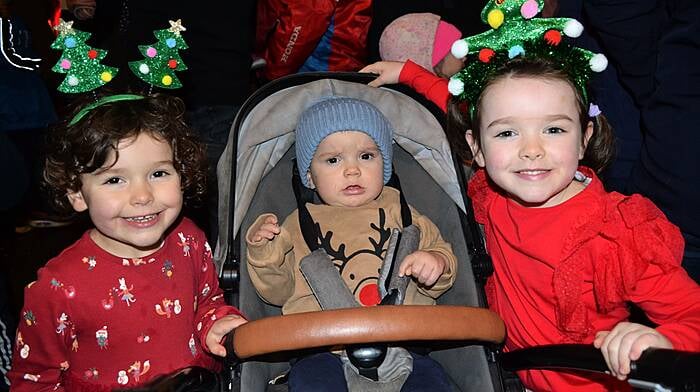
(351, 168)
(531, 148)
(141, 193)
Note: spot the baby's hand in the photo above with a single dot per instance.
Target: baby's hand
(269, 229)
(625, 343)
(219, 329)
(388, 72)
(425, 267)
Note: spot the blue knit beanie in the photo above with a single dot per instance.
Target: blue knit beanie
(336, 114)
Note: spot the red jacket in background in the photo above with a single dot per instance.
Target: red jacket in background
(312, 35)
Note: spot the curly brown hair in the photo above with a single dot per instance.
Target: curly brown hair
(601, 146)
(85, 146)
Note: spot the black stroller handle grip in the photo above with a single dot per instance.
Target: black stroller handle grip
(678, 370)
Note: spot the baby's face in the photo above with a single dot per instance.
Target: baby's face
(347, 169)
(134, 200)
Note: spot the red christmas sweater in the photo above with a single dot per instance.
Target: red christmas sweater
(93, 321)
(565, 272)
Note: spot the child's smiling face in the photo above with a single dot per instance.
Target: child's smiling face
(530, 139)
(134, 201)
(347, 169)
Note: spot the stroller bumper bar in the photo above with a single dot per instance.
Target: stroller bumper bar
(365, 325)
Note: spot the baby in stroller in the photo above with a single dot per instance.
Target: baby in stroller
(344, 152)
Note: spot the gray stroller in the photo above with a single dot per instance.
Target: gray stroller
(255, 176)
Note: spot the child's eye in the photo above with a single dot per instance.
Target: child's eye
(554, 130)
(112, 181)
(366, 156)
(161, 173)
(332, 161)
(507, 133)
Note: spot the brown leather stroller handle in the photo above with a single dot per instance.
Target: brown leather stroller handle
(366, 325)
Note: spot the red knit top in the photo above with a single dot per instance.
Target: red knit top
(94, 322)
(565, 272)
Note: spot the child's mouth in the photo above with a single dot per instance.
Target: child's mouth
(142, 219)
(534, 172)
(353, 189)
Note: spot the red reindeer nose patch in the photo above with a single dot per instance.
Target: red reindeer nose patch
(369, 295)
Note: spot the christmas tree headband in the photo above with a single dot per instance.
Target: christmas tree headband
(85, 73)
(515, 32)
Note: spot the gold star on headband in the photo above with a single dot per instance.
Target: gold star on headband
(64, 27)
(176, 27)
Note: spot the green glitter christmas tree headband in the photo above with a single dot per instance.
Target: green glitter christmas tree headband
(162, 58)
(79, 61)
(515, 32)
(85, 73)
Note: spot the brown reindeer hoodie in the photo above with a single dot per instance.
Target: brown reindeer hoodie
(356, 240)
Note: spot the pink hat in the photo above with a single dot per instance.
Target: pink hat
(422, 37)
(445, 35)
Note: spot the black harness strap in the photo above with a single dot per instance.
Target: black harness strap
(304, 195)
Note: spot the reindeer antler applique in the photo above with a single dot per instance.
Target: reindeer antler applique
(340, 259)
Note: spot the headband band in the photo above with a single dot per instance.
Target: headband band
(103, 101)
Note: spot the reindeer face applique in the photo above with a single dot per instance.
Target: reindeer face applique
(359, 268)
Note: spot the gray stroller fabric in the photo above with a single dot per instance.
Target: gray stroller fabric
(410, 239)
(325, 281)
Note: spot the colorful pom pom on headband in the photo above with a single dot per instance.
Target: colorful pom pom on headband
(516, 32)
(84, 71)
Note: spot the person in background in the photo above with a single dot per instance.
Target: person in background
(26, 110)
(311, 36)
(655, 46)
(464, 15)
(424, 39)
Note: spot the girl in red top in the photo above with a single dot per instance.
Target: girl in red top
(136, 296)
(568, 256)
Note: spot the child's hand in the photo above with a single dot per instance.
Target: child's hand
(425, 267)
(388, 72)
(269, 229)
(219, 329)
(625, 343)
